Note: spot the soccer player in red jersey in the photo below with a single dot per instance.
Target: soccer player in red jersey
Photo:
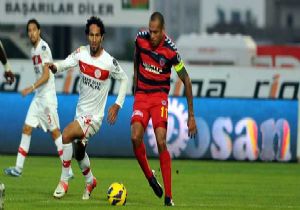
(9, 76)
(155, 54)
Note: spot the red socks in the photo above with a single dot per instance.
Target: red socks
(140, 154)
(165, 165)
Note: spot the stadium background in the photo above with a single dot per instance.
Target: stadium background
(232, 56)
(243, 58)
(245, 81)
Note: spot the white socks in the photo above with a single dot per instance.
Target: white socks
(23, 151)
(84, 164)
(59, 146)
(85, 167)
(67, 157)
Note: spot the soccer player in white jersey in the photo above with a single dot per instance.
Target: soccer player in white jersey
(96, 67)
(43, 108)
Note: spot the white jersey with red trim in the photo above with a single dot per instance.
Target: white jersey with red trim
(41, 55)
(95, 73)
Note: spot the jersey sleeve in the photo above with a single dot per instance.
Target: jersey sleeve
(70, 62)
(140, 36)
(46, 54)
(118, 73)
(116, 70)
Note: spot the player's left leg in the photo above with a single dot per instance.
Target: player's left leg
(159, 115)
(50, 121)
(165, 163)
(57, 138)
(84, 164)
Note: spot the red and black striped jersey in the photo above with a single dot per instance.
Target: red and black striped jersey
(154, 65)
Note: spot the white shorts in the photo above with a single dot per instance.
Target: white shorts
(89, 125)
(42, 115)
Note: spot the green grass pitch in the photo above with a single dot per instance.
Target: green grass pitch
(197, 184)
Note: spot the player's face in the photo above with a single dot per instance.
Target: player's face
(33, 33)
(156, 32)
(95, 39)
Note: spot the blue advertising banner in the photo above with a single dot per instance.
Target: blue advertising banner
(228, 129)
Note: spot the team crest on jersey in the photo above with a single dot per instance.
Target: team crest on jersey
(163, 102)
(97, 73)
(162, 61)
(44, 47)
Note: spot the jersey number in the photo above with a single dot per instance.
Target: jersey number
(164, 112)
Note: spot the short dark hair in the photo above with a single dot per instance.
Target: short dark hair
(158, 16)
(34, 21)
(98, 22)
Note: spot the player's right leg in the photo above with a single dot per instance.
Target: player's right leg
(89, 126)
(16, 171)
(160, 122)
(57, 138)
(137, 132)
(84, 164)
(71, 132)
(139, 122)
(31, 121)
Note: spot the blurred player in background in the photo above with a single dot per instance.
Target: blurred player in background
(96, 67)
(43, 108)
(9, 76)
(155, 54)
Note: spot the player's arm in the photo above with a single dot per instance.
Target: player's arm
(135, 69)
(9, 76)
(70, 62)
(3, 56)
(46, 58)
(120, 75)
(183, 75)
(42, 80)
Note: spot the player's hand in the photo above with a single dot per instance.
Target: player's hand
(9, 76)
(27, 91)
(52, 67)
(112, 114)
(192, 127)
